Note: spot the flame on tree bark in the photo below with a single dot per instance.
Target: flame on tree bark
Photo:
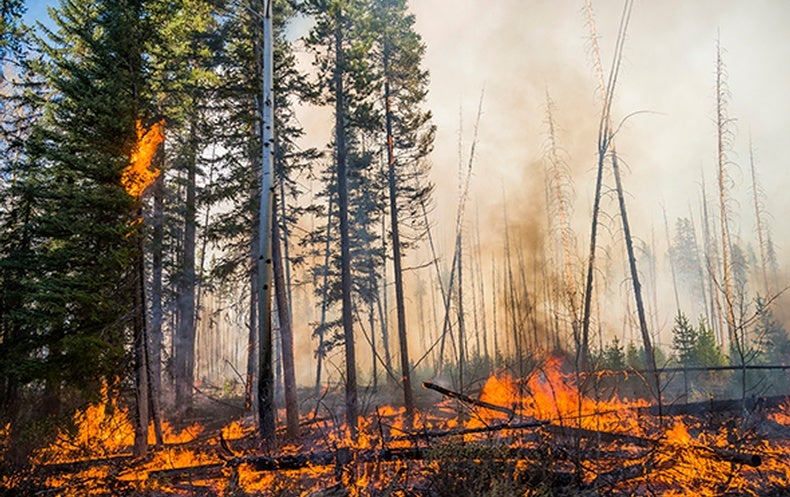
(135, 179)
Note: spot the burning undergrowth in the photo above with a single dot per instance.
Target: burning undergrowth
(548, 433)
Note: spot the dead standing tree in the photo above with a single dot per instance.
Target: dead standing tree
(723, 163)
(559, 203)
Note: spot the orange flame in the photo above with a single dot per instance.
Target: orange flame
(138, 176)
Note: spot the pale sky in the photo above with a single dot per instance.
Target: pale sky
(518, 48)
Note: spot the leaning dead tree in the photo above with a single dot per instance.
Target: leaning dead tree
(606, 147)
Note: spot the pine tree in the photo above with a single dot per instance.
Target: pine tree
(77, 297)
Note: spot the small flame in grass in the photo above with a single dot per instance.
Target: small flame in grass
(138, 176)
(678, 434)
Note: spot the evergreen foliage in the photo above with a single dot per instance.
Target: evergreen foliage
(695, 346)
(66, 320)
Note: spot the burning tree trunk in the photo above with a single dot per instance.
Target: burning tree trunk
(136, 178)
(140, 357)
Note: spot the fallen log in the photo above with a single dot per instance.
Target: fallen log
(630, 472)
(83, 464)
(429, 434)
(208, 470)
(344, 456)
(467, 399)
(718, 406)
(603, 436)
(732, 456)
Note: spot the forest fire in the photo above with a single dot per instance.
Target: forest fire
(138, 176)
(556, 438)
(261, 325)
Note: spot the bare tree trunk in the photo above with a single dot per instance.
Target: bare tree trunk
(722, 122)
(494, 330)
(286, 331)
(352, 413)
(558, 185)
(640, 308)
(511, 292)
(482, 285)
(712, 262)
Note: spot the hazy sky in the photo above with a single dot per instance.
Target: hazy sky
(517, 49)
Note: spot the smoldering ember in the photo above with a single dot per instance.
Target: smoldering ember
(385, 248)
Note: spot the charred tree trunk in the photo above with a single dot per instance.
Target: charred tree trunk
(156, 337)
(286, 331)
(141, 375)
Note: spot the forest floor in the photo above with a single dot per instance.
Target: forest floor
(557, 445)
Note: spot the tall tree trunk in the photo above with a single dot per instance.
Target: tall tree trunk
(352, 413)
(482, 285)
(185, 335)
(383, 305)
(251, 387)
(711, 264)
(155, 338)
(286, 332)
(405, 365)
(266, 410)
(640, 307)
(140, 355)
